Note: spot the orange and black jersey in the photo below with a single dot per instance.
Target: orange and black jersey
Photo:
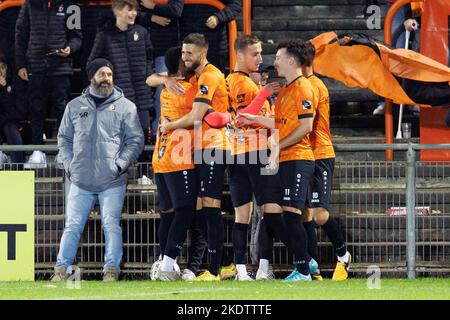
(320, 136)
(294, 103)
(242, 91)
(211, 89)
(173, 150)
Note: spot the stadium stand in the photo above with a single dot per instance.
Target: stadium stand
(365, 186)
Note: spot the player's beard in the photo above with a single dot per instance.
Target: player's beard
(191, 69)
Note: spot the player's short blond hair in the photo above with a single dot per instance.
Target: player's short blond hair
(244, 41)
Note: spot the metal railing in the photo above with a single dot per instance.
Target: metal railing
(363, 195)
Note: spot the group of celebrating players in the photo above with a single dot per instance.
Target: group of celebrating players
(281, 154)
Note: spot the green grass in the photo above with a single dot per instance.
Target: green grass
(429, 288)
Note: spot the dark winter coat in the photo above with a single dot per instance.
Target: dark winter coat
(194, 18)
(166, 37)
(41, 29)
(130, 52)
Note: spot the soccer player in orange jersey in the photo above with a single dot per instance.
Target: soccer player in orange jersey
(291, 150)
(292, 155)
(319, 193)
(211, 95)
(249, 148)
(173, 166)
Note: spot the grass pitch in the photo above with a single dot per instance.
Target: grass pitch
(353, 289)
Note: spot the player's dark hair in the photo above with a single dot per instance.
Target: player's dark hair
(243, 41)
(196, 39)
(172, 60)
(296, 49)
(310, 52)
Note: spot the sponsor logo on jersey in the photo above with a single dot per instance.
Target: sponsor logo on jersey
(203, 89)
(306, 104)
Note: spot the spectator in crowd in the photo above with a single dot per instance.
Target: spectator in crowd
(404, 20)
(128, 47)
(212, 23)
(163, 21)
(12, 109)
(45, 43)
(99, 138)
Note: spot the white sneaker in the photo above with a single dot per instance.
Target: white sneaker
(145, 180)
(379, 111)
(262, 276)
(244, 277)
(168, 276)
(157, 265)
(187, 275)
(155, 268)
(37, 160)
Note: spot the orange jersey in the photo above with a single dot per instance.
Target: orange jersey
(320, 136)
(211, 88)
(295, 102)
(242, 91)
(173, 150)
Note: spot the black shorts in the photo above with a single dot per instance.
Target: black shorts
(177, 189)
(248, 177)
(211, 172)
(295, 178)
(319, 191)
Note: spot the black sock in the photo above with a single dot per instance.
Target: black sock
(163, 231)
(198, 241)
(298, 240)
(177, 231)
(239, 235)
(275, 225)
(336, 237)
(312, 239)
(214, 221)
(265, 239)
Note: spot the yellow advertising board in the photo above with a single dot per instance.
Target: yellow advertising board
(16, 225)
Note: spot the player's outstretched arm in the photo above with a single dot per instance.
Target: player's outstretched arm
(246, 119)
(255, 106)
(197, 113)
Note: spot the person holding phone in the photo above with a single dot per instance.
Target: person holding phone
(44, 46)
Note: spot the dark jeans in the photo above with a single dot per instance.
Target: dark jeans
(41, 90)
(12, 135)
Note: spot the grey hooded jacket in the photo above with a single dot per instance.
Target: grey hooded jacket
(97, 144)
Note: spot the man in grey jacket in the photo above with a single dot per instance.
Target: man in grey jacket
(99, 137)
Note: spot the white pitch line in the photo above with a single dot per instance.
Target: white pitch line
(142, 294)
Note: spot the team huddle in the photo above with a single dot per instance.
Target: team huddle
(279, 153)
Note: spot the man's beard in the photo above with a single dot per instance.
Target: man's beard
(101, 90)
(194, 66)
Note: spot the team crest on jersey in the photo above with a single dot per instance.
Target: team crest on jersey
(161, 152)
(204, 89)
(241, 97)
(8, 89)
(136, 36)
(306, 104)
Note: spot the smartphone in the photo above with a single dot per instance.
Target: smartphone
(53, 53)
